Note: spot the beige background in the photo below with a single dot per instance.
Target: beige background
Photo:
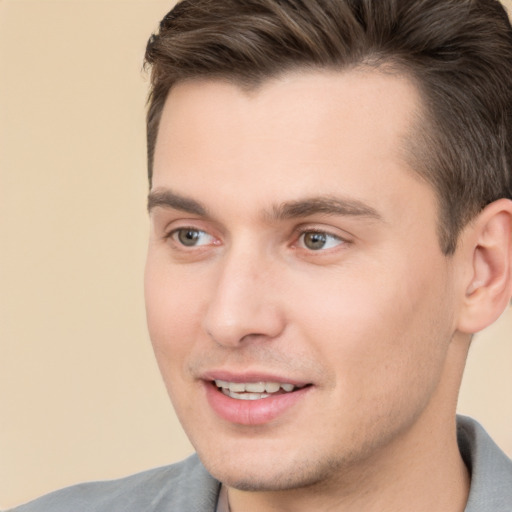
(80, 394)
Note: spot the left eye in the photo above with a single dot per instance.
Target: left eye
(318, 240)
(190, 237)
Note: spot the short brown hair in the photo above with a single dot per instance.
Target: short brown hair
(458, 52)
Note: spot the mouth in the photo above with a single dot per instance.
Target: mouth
(255, 390)
(253, 399)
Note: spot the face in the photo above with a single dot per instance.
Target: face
(298, 302)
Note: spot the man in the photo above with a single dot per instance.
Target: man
(331, 221)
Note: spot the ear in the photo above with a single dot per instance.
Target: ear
(487, 250)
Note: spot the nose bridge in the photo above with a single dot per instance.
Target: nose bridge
(244, 303)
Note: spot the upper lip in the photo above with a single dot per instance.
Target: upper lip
(246, 377)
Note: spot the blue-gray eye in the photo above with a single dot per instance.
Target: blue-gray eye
(190, 237)
(318, 240)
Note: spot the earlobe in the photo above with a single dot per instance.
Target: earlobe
(489, 252)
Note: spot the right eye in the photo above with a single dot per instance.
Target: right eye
(318, 240)
(191, 237)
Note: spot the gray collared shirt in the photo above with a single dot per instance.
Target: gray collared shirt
(490, 468)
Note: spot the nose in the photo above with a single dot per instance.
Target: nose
(245, 302)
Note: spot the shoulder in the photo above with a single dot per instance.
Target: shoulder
(491, 469)
(185, 486)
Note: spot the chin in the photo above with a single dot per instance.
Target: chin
(274, 476)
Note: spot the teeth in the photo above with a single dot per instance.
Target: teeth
(272, 387)
(254, 387)
(238, 387)
(244, 396)
(252, 390)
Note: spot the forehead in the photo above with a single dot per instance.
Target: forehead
(307, 130)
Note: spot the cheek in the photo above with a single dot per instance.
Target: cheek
(172, 311)
(375, 331)
(173, 308)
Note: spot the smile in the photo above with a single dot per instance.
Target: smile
(254, 390)
(251, 400)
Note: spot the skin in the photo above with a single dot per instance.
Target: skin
(371, 321)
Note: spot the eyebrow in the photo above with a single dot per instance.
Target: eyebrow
(324, 205)
(168, 199)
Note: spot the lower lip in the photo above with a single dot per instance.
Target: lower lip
(252, 412)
